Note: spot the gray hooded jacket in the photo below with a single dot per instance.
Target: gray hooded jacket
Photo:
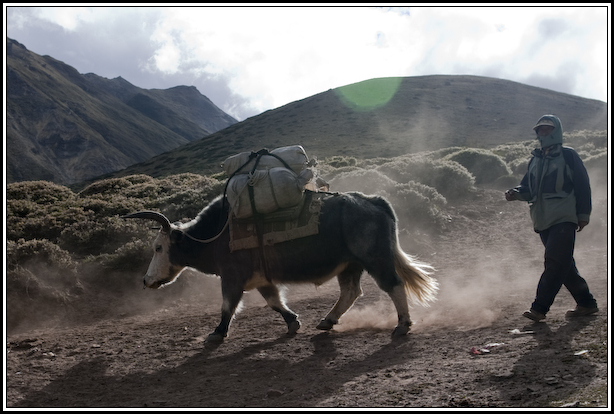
(556, 184)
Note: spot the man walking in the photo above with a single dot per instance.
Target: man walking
(557, 188)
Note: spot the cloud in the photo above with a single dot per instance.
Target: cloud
(286, 53)
(250, 59)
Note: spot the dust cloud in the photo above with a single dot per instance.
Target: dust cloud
(380, 315)
(491, 265)
(495, 263)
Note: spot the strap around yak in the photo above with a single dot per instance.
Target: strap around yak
(257, 216)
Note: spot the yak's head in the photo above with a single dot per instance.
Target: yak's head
(162, 270)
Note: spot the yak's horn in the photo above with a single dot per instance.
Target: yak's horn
(152, 215)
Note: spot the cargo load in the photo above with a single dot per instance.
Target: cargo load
(273, 188)
(294, 156)
(265, 181)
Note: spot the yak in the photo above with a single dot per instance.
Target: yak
(356, 233)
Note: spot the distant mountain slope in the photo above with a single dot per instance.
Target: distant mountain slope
(388, 117)
(66, 127)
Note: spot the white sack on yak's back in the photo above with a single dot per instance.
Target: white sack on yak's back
(274, 188)
(294, 155)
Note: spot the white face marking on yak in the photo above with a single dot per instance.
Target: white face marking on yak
(161, 272)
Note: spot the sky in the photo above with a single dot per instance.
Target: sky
(247, 60)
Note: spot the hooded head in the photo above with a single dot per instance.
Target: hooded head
(555, 137)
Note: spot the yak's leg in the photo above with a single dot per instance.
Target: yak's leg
(391, 283)
(349, 284)
(399, 298)
(231, 298)
(271, 294)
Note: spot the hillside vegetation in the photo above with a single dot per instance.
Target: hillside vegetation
(66, 248)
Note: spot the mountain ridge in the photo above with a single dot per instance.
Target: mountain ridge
(66, 127)
(424, 113)
(70, 128)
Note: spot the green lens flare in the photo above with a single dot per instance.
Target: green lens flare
(369, 94)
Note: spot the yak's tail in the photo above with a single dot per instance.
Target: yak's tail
(419, 285)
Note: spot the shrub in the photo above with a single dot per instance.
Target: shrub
(449, 178)
(183, 204)
(485, 166)
(99, 235)
(438, 154)
(366, 181)
(41, 280)
(514, 151)
(133, 256)
(46, 222)
(143, 191)
(519, 166)
(507, 181)
(113, 205)
(185, 195)
(328, 172)
(186, 180)
(39, 192)
(339, 161)
(121, 269)
(105, 187)
(579, 139)
(23, 252)
(40, 268)
(418, 206)
(21, 208)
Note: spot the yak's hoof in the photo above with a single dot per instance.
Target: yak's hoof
(325, 325)
(400, 331)
(215, 338)
(293, 327)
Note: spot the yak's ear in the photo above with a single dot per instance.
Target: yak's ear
(176, 236)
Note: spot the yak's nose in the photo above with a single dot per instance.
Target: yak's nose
(150, 284)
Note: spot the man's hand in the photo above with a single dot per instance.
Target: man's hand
(510, 195)
(582, 224)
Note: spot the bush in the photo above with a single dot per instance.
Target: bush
(24, 252)
(519, 166)
(100, 235)
(183, 204)
(41, 280)
(339, 161)
(40, 269)
(120, 270)
(515, 151)
(39, 192)
(485, 166)
(21, 208)
(438, 154)
(366, 181)
(449, 178)
(110, 206)
(44, 222)
(507, 181)
(131, 257)
(106, 187)
(418, 206)
(583, 139)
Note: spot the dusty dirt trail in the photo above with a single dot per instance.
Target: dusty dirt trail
(158, 358)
